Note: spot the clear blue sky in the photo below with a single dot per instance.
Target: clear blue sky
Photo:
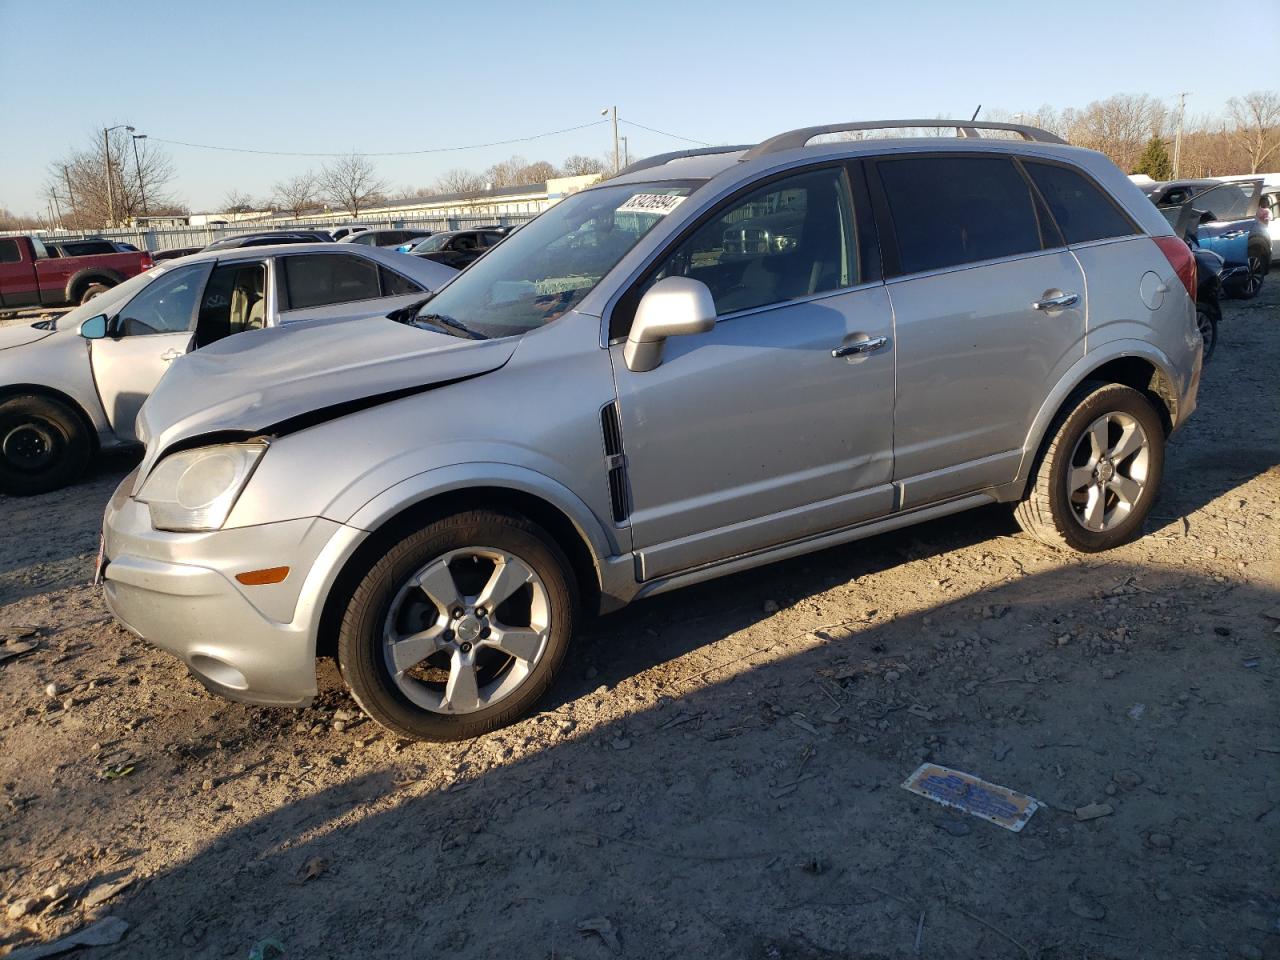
(384, 75)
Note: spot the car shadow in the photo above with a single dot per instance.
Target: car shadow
(756, 811)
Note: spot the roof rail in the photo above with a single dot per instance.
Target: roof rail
(963, 128)
(659, 159)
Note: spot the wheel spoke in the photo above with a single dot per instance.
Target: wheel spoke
(1098, 440)
(523, 643)
(508, 576)
(1126, 489)
(410, 650)
(1093, 510)
(461, 695)
(1131, 441)
(437, 583)
(1080, 478)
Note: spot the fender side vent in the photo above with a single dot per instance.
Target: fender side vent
(615, 462)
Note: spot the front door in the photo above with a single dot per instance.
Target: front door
(150, 332)
(754, 433)
(990, 310)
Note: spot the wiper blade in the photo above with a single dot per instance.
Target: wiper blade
(440, 320)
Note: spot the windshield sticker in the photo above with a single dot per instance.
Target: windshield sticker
(659, 204)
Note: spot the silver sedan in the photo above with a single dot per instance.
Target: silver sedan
(73, 386)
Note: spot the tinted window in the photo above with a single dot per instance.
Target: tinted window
(320, 279)
(9, 251)
(84, 248)
(1083, 212)
(464, 241)
(394, 285)
(491, 238)
(789, 239)
(1231, 201)
(166, 305)
(953, 210)
(432, 244)
(367, 238)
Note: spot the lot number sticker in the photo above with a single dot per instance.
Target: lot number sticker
(656, 203)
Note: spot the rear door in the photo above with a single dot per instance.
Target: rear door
(148, 333)
(989, 309)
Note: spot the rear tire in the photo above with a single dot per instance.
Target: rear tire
(1251, 285)
(93, 290)
(44, 445)
(421, 653)
(1097, 476)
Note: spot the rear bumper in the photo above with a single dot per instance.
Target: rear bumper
(178, 591)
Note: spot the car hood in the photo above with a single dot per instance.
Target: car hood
(285, 378)
(20, 334)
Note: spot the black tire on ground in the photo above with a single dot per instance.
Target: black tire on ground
(93, 290)
(1207, 324)
(1046, 511)
(361, 656)
(44, 445)
(1250, 285)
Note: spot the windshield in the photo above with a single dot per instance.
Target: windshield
(545, 269)
(432, 244)
(110, 301)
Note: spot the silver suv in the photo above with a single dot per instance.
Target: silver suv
(713, 360)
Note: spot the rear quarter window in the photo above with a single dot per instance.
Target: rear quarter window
(1083, 212)
(949, 210)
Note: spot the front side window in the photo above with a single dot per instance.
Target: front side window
(166, 305)
(545, 269)
(950, 210)
(792, 238)
(1082, 211)
(316, 280)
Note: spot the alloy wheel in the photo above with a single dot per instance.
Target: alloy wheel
(1253, 279)
(1108, 471)
(466, 630)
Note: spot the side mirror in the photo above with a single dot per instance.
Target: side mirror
(674, 307)
(95, 328)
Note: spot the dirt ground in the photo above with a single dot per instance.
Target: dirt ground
(718, 772)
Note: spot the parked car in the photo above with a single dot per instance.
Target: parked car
(72, 386)
(1230, 221)
(174, 252)
(31, 277)
(269, 238)
(712, 360)
(385, 238)
(457, 248)
(343, 232)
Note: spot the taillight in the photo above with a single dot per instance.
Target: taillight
(1181, 259)
(147, 262)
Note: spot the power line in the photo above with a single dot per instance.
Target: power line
(386, 153)
(674, 136)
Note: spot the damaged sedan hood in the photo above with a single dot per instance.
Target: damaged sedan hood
(284, 378)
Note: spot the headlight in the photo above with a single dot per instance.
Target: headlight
(196, 489)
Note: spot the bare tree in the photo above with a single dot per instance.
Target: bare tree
(459, 181)
(580, 166)
(351, 183)
(1119, 126)
(237, 201)
(538, 172)
(1257, 125)
(297, 194)
(78, 184)
(505, 173)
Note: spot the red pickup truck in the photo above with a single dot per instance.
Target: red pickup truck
(32, 276)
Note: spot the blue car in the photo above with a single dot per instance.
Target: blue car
(1223, 218)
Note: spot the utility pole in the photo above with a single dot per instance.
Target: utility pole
(1177, 138)
(604, 113)
(137, 165)
(71, 199)
(111, 193)
(626, 153)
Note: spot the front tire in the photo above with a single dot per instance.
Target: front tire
(1207, 324)
(1256, 273)
(1096, 480)
(459, 628)
(44, 445)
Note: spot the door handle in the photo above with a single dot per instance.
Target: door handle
(860, 346)
(1053, 303)
(170, 355)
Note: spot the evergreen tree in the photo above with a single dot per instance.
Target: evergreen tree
(1155, 162)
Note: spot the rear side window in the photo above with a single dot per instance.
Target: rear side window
(9, 251)
(319, 279)
(949, 211)
(1082, 211)
(394, 285)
